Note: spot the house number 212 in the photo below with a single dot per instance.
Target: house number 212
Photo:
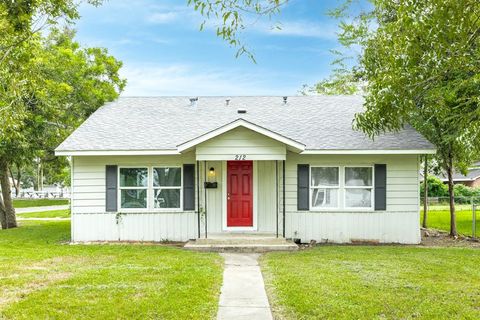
(240, 156)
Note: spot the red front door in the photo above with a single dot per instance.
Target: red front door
(239, 194)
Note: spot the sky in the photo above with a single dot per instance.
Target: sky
(164, 53)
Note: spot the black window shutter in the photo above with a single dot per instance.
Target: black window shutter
(303, 186)
(188, 187)
(111, 173)
(380, 187)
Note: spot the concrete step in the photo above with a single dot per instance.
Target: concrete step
(241, 245)
(242, 240)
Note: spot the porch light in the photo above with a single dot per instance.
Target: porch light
(212, 171)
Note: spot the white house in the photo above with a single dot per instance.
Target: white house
(174, 168)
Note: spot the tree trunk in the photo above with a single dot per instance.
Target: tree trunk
(16, 181)
(3, 218)
(451, 193)
(9, 211)
(425, 192)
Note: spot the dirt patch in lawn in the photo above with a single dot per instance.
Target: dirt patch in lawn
(40, 274)
(437, 238)
(14, 294)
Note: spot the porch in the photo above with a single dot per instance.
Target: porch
(240, 206)
(241, 242)
(240, 180)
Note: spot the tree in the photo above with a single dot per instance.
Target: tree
(48, 86)
(420, 65)
(425, 191)
(341, 82)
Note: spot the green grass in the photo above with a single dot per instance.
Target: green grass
(377, 282)
(46, 214)
(439, 218)
(27, 203)
(44, 278)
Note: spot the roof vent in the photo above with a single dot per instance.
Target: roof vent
(193, 101)
(285, 100)
(227, 102)
(242, 111)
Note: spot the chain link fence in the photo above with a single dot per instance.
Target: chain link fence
(467, 211)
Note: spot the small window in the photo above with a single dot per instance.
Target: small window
(167, 187)
(358, 187)
(133, 188)
(324, 186)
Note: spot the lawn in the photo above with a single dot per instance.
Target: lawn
(439, 218)
(46, 214)
(43, 277)
(27, 203)
(374, 282)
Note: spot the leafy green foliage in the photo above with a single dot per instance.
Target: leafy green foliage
(419, 61)
(231, 17)
(48, 84)
(339, 83)
(465, 193)
(436, 188)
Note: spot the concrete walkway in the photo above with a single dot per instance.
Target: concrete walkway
(243, 293)
(41, 209)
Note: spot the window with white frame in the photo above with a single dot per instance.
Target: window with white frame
(133, 185)
(324, 187)
(167, 187)
(358, 187)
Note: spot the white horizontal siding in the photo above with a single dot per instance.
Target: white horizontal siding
(399, 223)
(345, 227)
(89, 176)
(134, 227)
(402, 176)
(241, 141)
(90, 222)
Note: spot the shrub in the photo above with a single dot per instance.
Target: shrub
(436, 188)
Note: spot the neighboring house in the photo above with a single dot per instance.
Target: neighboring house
(471, 179)
(166, 168)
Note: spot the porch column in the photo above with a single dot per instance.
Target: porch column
(198, 198)
(283, 191)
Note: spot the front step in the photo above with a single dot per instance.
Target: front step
(241, 244)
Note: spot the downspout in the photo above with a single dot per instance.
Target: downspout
(205, 194)
(198, 197)
(276, 193)
(283, 192)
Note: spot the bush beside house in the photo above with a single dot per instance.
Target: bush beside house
(437, 189)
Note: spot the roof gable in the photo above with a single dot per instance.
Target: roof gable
(291, 144)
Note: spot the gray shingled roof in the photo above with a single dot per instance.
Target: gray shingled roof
(472, 174)
(162, 123)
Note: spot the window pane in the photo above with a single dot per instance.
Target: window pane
(167, 198)
(324, 198)
(358, 198)
(133, 177)
(133, 198)
(325, 176)
(167, 177)
(358, 176)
